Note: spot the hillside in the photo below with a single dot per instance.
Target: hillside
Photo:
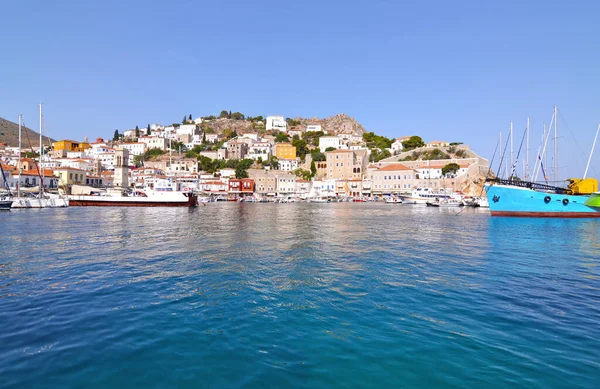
(9, 134)
(333, 125)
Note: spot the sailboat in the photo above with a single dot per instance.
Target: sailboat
(43, 199)
(515, 197)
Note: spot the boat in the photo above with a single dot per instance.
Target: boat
(43, 199)
(521, 198)
(423, 196)
(393, 200)
(450, 202)
(515, 197)
(134, 198)
(481, 202)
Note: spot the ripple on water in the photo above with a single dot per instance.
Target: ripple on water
(297, 295)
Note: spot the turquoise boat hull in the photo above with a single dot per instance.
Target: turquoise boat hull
(507, 200)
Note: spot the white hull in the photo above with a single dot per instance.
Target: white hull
(25, 202)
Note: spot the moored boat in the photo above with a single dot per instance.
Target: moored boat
(137, 198)
(5, 203)
(521, 198)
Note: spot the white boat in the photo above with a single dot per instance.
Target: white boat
(393, 200)
(450, 202)
(43, 199)
(423, 196)
(481, 202)
(5, 203)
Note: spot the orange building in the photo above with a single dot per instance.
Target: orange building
(70, 145)
(285, 151)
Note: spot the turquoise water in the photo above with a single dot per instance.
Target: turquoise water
(297, 295)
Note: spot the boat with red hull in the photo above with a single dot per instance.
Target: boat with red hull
(136, 199)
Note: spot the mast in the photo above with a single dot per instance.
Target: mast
(512, 161)
(544, 151)
(527, 156)
(591, 152)
(555, 145)
(41, 154)
(19, 159)
(501, 155)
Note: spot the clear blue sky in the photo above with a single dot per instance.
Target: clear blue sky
(449, 70)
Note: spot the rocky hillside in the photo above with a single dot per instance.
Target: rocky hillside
(340, 123)
(9, 134)
(333, 125)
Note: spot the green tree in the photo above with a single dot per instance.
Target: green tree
(281, 137)
(301, 148)
(148, 132)
(228, 133)
(412, 143)
(190, 117)
(224, 114)
(204, 138)
(318, 156)
(184, 119)
(240, 172)
(116, 136)
(377, 155)
(450, 169)
(237, 116)
(137, 132)
(330, 149)
(313, 169)
(377, 141)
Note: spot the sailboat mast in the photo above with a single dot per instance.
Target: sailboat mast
(501, 154)
(556, 145)
(591, 152)
(41, 154)
(527, 156)
(19, 159)
(544, 151)
(512, 161)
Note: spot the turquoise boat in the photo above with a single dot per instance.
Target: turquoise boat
(521, 198)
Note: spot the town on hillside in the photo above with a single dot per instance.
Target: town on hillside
(232, 156)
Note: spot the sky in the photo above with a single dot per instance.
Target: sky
(444, 70)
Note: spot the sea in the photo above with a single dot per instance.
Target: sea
(301, 295)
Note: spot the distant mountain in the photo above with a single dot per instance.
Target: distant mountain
(9, 134)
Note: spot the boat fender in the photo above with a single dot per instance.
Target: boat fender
(565, 201)
(547, 199)
(186, 189)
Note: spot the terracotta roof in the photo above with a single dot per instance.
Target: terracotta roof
(340, 151)
(69, 168)
(394, 167)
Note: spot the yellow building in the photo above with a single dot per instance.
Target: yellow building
(69, 176)
(71, 145)
(285, 151)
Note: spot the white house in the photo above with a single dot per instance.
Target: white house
(329, 141)
(186, 129)
(198, 121)
(397, 146)
(212, 138)
(259, 150)
(288, 165)
(209, 154)
(227, 173)
(313, 127)
(295, 132)
(276, 123)
(286, 184)
(135, 148)
(129, 133)
(107, 159)
(251, 135)
(155, 142)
